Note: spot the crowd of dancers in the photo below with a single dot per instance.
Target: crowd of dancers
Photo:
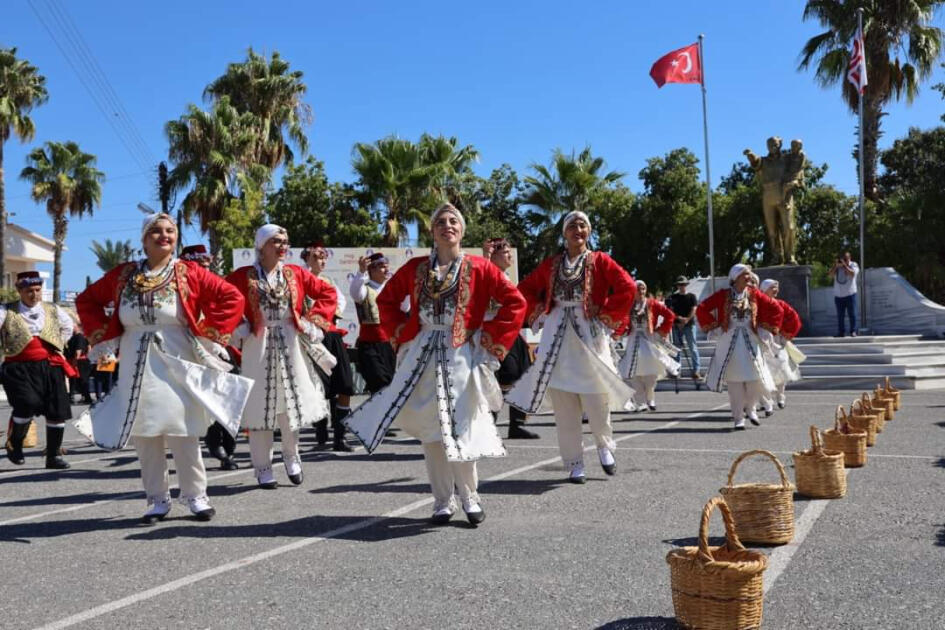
(440, 348)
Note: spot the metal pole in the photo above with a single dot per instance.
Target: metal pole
(708, 177)
(863, 302)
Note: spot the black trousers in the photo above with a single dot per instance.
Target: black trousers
(341, 379)
(376, 363)
(36, 388)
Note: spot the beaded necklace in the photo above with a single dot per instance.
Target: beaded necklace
(275, 296)
(740, 303)
(146, 281)
(437, 287)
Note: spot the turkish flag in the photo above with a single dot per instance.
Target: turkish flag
(679, 66)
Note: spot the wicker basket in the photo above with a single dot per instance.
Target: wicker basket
(717, 588)
(884, 402)
(894, 393)
(872, 407)
(844, 438)
(862, 418)
(29, 441)
(764, 512)
(819, 473)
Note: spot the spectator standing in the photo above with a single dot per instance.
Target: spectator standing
(845, 274)
(683, 305)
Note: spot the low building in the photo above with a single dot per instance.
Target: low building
(25, 250)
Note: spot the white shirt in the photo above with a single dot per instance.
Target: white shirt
(358, 290)
(844, 284)
(36, 319)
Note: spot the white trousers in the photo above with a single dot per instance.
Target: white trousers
(191, 474)
(644, 388)
(446, 475)
(569, 409)
(260, 445)
(744, 396)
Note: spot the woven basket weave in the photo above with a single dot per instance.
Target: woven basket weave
(844, 438)
(819, 473)
(894, 393)
(717, 588)
(764, 512)
(862, 418)
(884, 401)
(873, 407)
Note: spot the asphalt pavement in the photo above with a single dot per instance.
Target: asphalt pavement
(351, 547)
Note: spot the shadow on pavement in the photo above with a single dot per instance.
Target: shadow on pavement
(307, 527)
(518, 487)
(940, 539)
(24, 532)
(376, 457)
(693, 429)
(693, 541)
(72, 499)
(78, 473)
(641, 623)
(940, 462)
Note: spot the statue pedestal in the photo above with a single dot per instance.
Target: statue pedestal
(794, 283)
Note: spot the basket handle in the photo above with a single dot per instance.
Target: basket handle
(865, 403)
(731, 538)
(784, 480)
(838, 424)
(887, 387)
(816, 441)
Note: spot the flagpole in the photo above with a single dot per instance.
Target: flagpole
(708, 177)
(863, 303)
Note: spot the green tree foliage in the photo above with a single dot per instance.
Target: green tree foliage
(237, 225)
(909, 227)
(21, 89)
(313, 209)
(110, 255)
(67, 180)
(901, 47)
(268, 90)
(569, 183)
(404, 181)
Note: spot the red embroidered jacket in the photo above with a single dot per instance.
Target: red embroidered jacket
(714, 311)
(301, 284)
(211, 307)
(609, 291)
(656, 310)
(790, 320)
(479, 282)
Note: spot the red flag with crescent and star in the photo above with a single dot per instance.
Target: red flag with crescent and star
(679, 66)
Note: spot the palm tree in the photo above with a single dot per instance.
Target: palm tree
(451, 168)
(67, 180)
(21, 89)
(567, 185)
(267, 89)
(901, 48)
(212, 153)
(110, 255)
(394, 174)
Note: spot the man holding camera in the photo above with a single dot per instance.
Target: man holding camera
(683, 304)
(845, 273)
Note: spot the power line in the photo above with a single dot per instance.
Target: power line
(135, 152)
(96, 71)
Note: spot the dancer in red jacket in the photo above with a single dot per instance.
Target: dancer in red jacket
(648, 355)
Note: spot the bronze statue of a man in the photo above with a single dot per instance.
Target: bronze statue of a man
(782, 172)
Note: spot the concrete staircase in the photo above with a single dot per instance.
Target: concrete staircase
(910, 362)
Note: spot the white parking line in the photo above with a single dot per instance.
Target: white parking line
(781, 557)
(240, 563)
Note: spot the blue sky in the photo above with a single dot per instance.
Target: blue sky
(515, 79)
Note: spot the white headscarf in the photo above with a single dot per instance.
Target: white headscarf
(573, 216)
(148, 222)
(736, 271)
(265, 233)
(448, 207)
(768, 283)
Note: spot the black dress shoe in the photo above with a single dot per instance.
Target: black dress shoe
(475, 518)
(15, 455)
(269, 485)
(441, 519)
(297, 478)
(57, 463)
(754, 420)
(518, 432)
(340, 446)
(610, 469)
(205, 515)
(580, 479)
(151, 519)
(781, 405)
(769, 413)
(228, 464)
